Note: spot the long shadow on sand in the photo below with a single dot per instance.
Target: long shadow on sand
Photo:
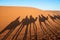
(24, 22)
(48, 32)
(10, 27)
(32, 20)
(57, 16)
(44, 19)
(54, 18)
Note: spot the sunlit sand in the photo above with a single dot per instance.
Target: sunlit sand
(10, 13)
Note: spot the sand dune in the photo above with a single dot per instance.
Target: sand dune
(7, 14)
(10, 13)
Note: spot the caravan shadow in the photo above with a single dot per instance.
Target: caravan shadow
(44, 19)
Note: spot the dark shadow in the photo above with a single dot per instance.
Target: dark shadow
(41, 26)
(42, 20)
(26, 31)
(57, 16)
(11, 28)
(32, 20)
(53, 19)
(24, 22)
(54, 32)
(55, 28)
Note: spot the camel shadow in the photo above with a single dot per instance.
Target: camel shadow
(26, 31)
(54, 19)
(10, 27)
(57, 16)
(32, 20)
(44, 19)
(24, 22)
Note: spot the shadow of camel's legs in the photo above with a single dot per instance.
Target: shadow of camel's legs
(55, 22)
(17, 33)
(7, 35)
(45, 33)
(35, 30)
(42, 28)
(52, 31)
(30, 31)
(48, 33)
(26, 32)
(55, 33)
(55, 27)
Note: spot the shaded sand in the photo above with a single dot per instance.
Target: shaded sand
(10, 13)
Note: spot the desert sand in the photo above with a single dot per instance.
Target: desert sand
(10, 13)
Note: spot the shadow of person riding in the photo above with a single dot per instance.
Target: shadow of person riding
(54, 19)
(11, 27)
(32, 20)
(44, 19)
(57, 16)
(56, 31)
(55, 27)
(24, 22)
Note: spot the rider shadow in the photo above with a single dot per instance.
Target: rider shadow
(58, 20)
(26, 31)
(32, 20)
(57, 16)
(24, 22)
(11, 27)
(42, 20)
(46, 18)
(49, 27)
(53, 19)
(58, 33)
